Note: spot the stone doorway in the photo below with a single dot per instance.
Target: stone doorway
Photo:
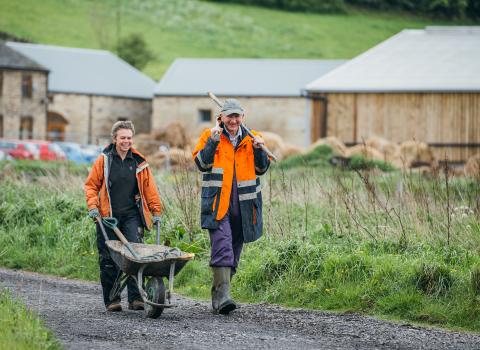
(56, 124)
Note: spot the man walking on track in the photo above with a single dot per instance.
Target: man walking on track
(231, 200)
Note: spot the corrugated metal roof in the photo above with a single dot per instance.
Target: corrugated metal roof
(11, 59)
(241, 77)
(87, 71)
(435, 59)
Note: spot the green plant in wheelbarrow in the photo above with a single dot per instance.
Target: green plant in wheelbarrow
(147, 264)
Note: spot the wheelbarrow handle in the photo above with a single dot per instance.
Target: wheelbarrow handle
(112, 223)
(158, 232)
(102, 228)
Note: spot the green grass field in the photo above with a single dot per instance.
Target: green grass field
(189, 28)
(333, 239)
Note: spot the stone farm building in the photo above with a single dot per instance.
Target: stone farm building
(419, 85)
(23, 94)
(88, 90)
(269, 90)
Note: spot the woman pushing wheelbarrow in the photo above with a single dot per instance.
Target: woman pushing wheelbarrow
(121, 187)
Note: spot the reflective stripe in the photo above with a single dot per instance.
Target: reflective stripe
(141, 168)
(212, 183)
(247, 196)
(217, 170)
(205, 166)
(247, 183)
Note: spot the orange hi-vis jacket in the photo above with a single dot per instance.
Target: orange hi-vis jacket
(218, 162)
(97, 192)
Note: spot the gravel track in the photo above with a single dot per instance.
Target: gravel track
(74, 311)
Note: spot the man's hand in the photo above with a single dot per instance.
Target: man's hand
(258, 141)
(216, 131)
(93, 213)
(156, 219)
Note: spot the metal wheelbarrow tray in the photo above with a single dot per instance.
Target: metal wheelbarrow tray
(153, 263)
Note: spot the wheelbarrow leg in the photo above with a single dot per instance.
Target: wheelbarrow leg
(118, 286)
(170, 282)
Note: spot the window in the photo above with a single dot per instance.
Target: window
(121, 119)
(27, 85)
(26, 128)
(205, 115)
(1, 125)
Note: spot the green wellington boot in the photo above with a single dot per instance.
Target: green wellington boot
(222, 303)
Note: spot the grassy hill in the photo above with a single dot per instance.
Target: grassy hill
(192, 28)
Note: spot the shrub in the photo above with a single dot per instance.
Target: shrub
(134, 50)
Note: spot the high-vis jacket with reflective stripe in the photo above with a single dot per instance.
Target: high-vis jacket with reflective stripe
(217, 161)
(97, 192)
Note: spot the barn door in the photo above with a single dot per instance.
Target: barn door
(318, 125)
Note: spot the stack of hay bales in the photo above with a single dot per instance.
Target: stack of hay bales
(472, 168)
(173, 134)
(338, 147)
(278, 147)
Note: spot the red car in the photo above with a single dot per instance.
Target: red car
(47, 150)
(17, 149)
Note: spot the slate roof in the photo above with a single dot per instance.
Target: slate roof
(241, 77)
(11, 59)
(87, 71)
(434, 59)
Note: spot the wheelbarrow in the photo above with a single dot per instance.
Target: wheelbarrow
(147, 264)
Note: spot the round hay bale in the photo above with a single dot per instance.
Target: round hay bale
(173, 134)
(366, 152)
(290, 150)
(337, 146)
(390, 150)
(172, 159)
(472, 168)
(414, 153)
(146, 144)
(274, 142)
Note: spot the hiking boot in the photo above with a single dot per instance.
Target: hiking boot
(114, 307)
(136, 305)
(222, 303)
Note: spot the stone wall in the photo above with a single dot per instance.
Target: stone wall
(282, 115)
(90, 118)
(13, 105)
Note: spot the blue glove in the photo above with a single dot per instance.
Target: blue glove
(156, 219)
(93, 213)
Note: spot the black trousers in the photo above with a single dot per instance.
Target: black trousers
(132, 228)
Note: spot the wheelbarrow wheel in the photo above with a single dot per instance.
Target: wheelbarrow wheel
(155, 289)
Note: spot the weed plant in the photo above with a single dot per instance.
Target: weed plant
(398, 245)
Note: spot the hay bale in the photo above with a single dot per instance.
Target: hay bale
(290, 150)
(172, 159)
(366, 152)
(274, 142)
(413, 153)
(146, 144)
(337, 146)
(390, 150)
(472, 168)
(173, 134)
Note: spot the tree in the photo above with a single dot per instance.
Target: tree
(134, 50)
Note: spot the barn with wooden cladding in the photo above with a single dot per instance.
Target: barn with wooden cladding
(421, 85)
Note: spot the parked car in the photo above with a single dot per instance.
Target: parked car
(92, 152)
(47, 150)
(17, 149)
(74, 152)
(5, 156)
